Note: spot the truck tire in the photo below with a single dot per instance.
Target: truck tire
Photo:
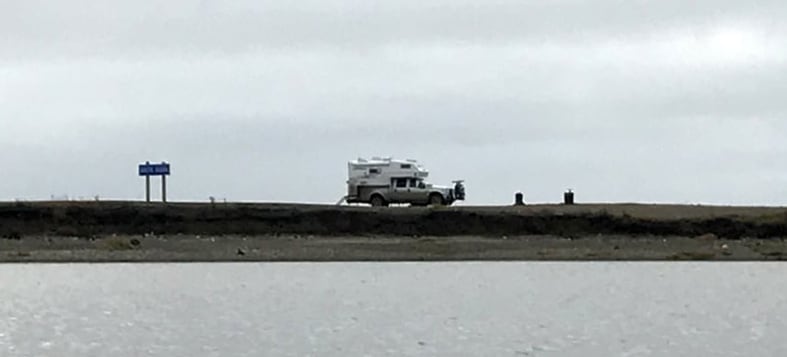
(377, 201)
(436, 199)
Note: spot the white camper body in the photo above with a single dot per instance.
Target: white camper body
(383, 181)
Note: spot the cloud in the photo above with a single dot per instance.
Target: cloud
(260, 100)
(143, 28)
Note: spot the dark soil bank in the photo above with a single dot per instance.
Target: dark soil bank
(85, 219)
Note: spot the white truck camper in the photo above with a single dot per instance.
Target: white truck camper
(385, 181)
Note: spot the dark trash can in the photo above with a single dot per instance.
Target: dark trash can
(519, 199)
(568, 198)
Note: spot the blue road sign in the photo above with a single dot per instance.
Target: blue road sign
(148, 169)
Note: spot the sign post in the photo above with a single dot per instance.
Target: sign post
(147, 169)
(147, 188)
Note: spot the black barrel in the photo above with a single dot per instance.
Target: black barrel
(519, 199)
(568, 198)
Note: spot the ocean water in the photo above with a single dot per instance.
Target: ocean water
(394, 309)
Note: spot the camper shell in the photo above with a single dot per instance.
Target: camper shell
(383, 181)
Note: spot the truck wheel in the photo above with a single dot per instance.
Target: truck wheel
(377, 201)
(436, 199)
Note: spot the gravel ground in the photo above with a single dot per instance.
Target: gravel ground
(193, 248)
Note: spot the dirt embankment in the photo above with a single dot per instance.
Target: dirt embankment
(86, 219)
(138, 232)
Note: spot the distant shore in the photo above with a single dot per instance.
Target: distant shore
(186, 232)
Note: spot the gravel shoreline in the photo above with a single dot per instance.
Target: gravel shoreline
(194, 248)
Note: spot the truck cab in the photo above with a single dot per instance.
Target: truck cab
(408, 189)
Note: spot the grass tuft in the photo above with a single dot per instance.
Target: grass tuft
(12, 235)
(117, 243)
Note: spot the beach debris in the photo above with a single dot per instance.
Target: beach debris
(707, 237)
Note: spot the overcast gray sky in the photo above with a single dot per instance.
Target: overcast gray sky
(623, 101)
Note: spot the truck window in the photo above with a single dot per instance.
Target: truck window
(374, 171)
(413, 182)
(401, 183)
(405, 166)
